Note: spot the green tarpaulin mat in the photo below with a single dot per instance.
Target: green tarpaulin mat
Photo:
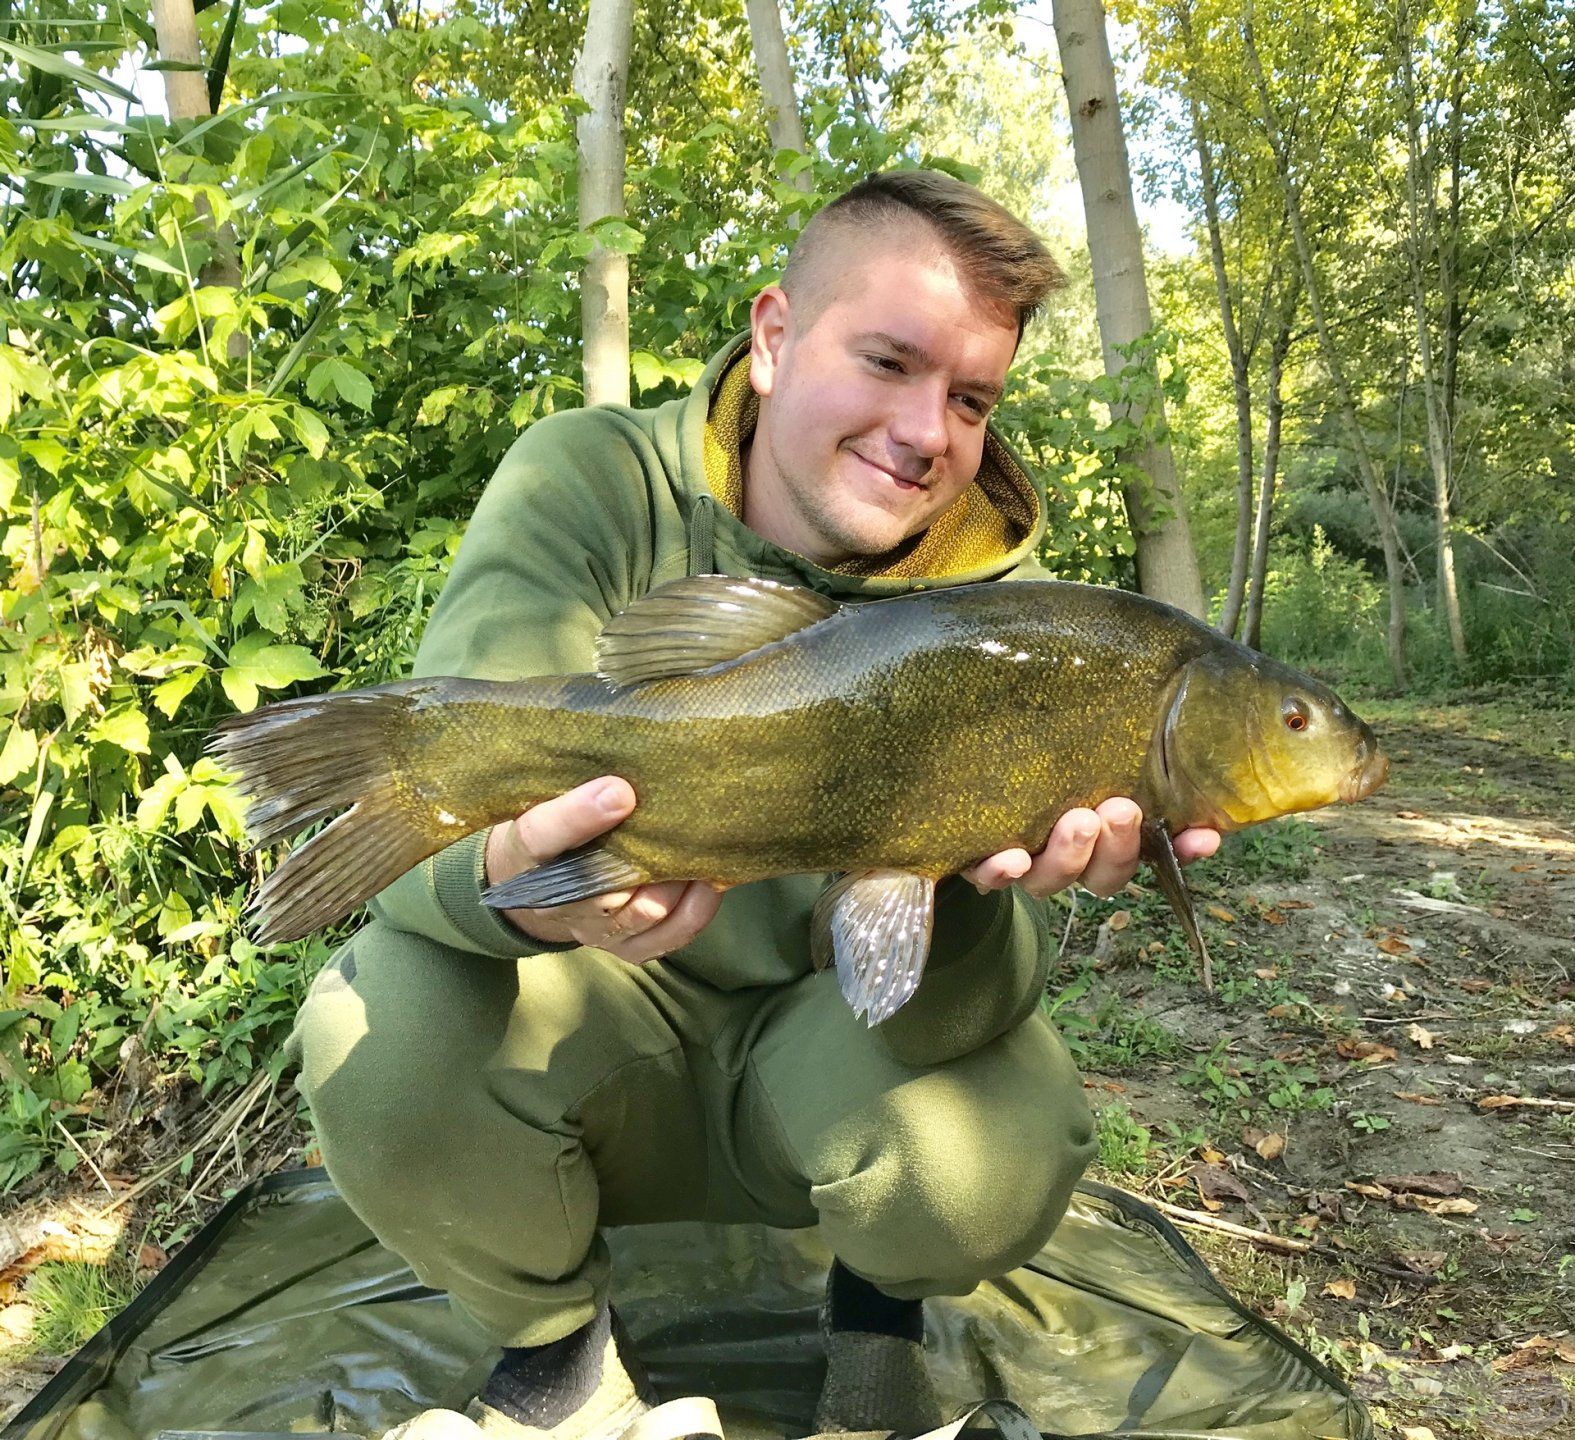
(284, 1316)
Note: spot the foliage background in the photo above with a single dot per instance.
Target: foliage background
(213, 494)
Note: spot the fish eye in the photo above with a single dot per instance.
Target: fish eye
(1295, 714)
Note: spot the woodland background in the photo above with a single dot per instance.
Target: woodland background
(258, 365)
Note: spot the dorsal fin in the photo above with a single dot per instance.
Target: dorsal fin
(690, 625)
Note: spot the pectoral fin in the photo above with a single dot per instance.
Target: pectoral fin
(574, 875)
(876, 925)
(1161, 856)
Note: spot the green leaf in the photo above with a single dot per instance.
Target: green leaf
(83, 180)
(19, 375)
(313, 269)
(171, 694)
(53, 64)
(342, 379)
(126, 727)
(647, 369)
(256, 663)
(19, 753)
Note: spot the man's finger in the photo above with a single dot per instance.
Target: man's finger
(1197, 843)
(998, 871)
(1114, 859)
(545, 831)
(647, 906)
(1066, 854)
(694, 911)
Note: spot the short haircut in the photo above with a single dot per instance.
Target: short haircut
(999, 256)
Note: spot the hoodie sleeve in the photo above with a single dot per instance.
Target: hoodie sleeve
(559, 542)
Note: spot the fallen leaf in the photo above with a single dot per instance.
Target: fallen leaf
(1274, 915)
(151, 1257)
(1220, 913)
(1341, 1289)
(1271, 1147)
(1212, 1156)
(1280, 1012)
(1324, 1204)
(1392, 945)
(1217, 1185)
(1417, 1099)
(1267, 972)
(1416, 1432)
(1120, 920)
(1497, 1102)
(1565, 1350)
(1455, 1206)
(1424, 1262)
(1437, 1182)
(1521, 869)
(1474, 985)
(1563, 1032)
(1370, 1052)
(1423, 1039)
(1373, 1192)
(1295, 904)
(1410, 815)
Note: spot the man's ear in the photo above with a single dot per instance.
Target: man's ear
(770, 330)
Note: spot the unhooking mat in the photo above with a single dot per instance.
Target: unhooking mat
(284, 1317)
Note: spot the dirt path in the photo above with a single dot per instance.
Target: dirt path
(1388, 1071)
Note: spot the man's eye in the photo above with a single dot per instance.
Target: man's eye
(975, 404)
(886, 363)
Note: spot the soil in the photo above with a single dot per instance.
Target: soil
(1389, 1018)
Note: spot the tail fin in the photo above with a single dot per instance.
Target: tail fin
(303, 760)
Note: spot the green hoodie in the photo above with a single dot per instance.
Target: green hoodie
(588, 511)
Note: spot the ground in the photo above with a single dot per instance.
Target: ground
(1386, 1074)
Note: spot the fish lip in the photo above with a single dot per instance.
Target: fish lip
(1369, 774)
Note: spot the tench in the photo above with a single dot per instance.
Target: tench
(767, 730)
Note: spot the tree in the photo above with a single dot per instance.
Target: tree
(776, 84)
(601, 79)
(1167, 565)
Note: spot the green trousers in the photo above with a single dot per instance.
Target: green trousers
(485, 1117)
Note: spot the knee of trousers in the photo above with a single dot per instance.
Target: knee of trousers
(392, 1064)
(964, 1176)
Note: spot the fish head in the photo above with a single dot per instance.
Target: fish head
(1246, 738)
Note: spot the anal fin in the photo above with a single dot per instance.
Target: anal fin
(1161, 856)
(875, 925)
(574, 875)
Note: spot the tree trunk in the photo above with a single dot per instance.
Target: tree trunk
(601, 77)
(1166, 563)
(1240, 382)
(1372, 481)
(186, 96)
(1419, 180)
(776, 84)
(1279, 347)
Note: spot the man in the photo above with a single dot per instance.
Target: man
(490, 1088)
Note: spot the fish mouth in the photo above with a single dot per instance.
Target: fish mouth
(1371, 772)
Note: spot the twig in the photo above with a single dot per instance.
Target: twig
(1284, 1244)
(87, 1159)
(1505, 1101)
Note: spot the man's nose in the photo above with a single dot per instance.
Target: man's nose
(920, 422)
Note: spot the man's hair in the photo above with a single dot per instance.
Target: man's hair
(999, 257)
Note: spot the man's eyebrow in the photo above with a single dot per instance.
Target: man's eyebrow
(907, 350)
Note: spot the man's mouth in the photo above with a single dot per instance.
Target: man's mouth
(897, 480)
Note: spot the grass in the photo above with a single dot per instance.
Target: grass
(72, 1300)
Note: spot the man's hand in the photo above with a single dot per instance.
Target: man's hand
(1097, 849)
(635, 925)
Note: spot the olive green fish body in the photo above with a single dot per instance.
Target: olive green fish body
(767, 731)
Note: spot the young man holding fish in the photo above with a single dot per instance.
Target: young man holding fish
(492, 1087)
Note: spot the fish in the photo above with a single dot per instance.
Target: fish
(769, 730)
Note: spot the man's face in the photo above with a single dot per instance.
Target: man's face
(873, 415)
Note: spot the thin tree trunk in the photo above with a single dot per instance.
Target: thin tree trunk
(1372, 481)
(601, 77)
(186, 96)
(1166, 562)
(783, 124)
(1240, 381)
(1279, 347)
(1419, 180)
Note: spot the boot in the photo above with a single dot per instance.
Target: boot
(876, 1377)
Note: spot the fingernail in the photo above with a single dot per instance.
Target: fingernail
(1084, 832)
